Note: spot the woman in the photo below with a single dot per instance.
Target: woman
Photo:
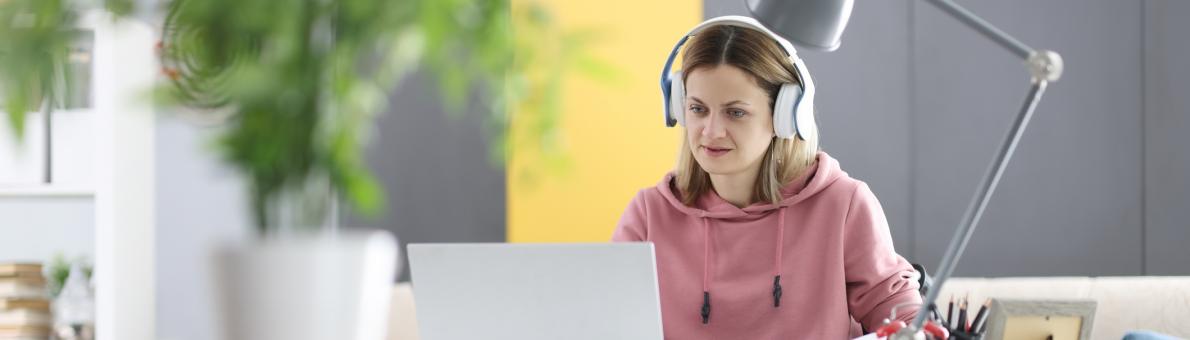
(758, 234)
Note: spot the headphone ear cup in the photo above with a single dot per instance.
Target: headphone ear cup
(804, 124)
(677, 98)
(784, 115)
(665, 107)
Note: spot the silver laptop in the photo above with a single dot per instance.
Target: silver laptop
(535, 291)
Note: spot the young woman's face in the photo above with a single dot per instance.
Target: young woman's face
(729, 123)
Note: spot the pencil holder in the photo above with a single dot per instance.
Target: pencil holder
(957, 335)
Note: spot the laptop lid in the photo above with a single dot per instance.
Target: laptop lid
(535, 291)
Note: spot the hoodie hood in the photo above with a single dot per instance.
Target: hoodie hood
(820, 175)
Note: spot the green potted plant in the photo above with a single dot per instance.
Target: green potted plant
(295, 85)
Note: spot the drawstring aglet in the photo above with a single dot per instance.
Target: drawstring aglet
(777, 291)
(706, 307)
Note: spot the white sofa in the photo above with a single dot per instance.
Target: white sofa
(1124, 303)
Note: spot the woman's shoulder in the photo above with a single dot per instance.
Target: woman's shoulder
(848, 189)
(658, 193)
(648, 203)
(829, 180)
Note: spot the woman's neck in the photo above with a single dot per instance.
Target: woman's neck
(735, 188)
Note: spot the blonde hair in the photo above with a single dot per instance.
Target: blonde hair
(758, 55)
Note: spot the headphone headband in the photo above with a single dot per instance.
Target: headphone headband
(746, 22)
(802, 104)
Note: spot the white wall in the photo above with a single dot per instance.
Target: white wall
(36, 228)
(200, 204)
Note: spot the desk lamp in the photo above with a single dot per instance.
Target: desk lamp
(819, 24)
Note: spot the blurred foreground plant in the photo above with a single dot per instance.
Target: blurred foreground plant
(295, 84)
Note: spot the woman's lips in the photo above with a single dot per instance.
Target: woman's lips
(715, 152)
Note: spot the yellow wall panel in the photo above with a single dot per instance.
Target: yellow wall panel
(614, 132)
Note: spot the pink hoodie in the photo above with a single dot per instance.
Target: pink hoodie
(801, 270)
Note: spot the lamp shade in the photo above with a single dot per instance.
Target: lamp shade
(817, 24)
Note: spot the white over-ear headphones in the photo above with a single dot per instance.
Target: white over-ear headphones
(793, 109)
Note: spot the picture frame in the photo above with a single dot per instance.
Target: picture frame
(1027, 319)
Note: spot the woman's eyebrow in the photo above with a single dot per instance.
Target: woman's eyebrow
(741, 102)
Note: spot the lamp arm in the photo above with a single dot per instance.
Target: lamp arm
(978, 203)
(991, 32)
(1043, 64)
(1044, 67)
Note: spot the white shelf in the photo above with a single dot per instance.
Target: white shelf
(102, 166)
(25, 190)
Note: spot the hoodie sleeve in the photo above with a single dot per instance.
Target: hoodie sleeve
(877, 278)
(631, 227)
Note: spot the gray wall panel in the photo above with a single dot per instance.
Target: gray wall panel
(1096, 185)
(1167, 157)
(1073, 189)
(435, 171)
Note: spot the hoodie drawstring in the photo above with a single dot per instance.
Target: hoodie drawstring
(705, 311)
(777, 269)
(706, 252)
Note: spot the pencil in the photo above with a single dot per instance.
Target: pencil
(962, 316)
(981, 318)
(950, 313)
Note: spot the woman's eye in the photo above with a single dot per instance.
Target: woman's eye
(737, 113)
(697, 109)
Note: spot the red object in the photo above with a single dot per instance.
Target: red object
(890, 329)
(932, 328)
(936, 330)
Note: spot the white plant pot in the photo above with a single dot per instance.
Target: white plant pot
(316, 287)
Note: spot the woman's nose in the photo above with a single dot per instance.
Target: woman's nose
(714, 126)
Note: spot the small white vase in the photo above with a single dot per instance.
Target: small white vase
(316, 287)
